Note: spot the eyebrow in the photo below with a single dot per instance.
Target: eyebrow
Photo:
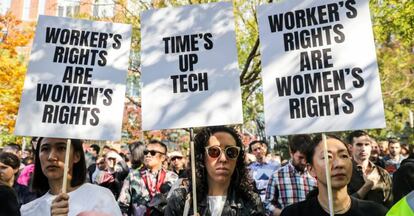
(343, 150)
(58, 144)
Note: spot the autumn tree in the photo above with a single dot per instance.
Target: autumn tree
(13, 36)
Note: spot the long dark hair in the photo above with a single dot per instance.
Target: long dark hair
(241, 182)
(40, 182)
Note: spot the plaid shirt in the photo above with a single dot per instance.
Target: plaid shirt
(135, 191)
(287, 186)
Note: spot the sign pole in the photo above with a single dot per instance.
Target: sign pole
(193, 174)
(328, 174)
(66, 169)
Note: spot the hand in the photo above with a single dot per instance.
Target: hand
(60, 205)
(368, 182)
(375, 178)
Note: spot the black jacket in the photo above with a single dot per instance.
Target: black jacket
(403, 179)
(234, 206)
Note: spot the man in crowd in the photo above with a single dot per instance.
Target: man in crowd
(376, 157)
(368, 182)
(393, 160)
(177, 163)
(291, 183)
(143, 185)
(261, 169)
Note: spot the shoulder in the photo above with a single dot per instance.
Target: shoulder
(5, 189)
(36, 204)
(176, 202)
(369, 206)
(88, 188)
(300, 208)
(171, 176)
(383, 172)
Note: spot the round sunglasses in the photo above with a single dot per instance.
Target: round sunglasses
(231, 152)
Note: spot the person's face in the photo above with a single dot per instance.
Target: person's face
(220, 169)
(177, 162)
(298, 160)
(155, 156)
(361, 148)
(7, 172)
(340, 164)
(52, 158)
(383, 146)
(94, 153)
(101, 163)
(394, 149)
(375, 148)
(259, 151)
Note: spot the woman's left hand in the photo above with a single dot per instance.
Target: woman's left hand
(60, 205)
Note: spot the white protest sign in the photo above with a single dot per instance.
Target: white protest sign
(75, 81)
(189, 67)
(319, 65)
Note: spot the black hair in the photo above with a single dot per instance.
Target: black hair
(241, 182)
(40, 182)
(96, 148)
(137, 154)
(356, 134)
(393, 141)
(255, 142)
(310, 150)
(155, 141)
(299, 143)
(11, 160)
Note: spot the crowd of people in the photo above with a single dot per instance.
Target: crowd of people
(368, 177)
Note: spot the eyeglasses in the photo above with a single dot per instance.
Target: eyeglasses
(231, 152)
(152, 152)
(175, 158)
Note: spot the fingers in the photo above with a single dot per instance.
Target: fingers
(60, 205)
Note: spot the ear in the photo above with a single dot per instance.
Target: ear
(15, 171)
(311, 170)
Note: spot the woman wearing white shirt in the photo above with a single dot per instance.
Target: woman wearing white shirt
(48, 177)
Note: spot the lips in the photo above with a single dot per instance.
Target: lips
(222, 171)
(339, 175)
(52, 167)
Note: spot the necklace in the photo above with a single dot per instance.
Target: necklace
(340, 211)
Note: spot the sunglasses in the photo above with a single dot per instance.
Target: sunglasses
(231, 152)
(175, 158)
(152, 152)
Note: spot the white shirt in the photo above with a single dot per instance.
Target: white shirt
(216, 204)
(87, 197)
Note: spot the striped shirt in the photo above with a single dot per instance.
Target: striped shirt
(287, 186)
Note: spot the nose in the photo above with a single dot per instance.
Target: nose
(52, 155)
(338, 162)
(222, 157)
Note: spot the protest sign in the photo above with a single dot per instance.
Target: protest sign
(319, 65)
(189, 67)
(75, 82)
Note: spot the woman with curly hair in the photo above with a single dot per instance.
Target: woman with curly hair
(224, 186)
